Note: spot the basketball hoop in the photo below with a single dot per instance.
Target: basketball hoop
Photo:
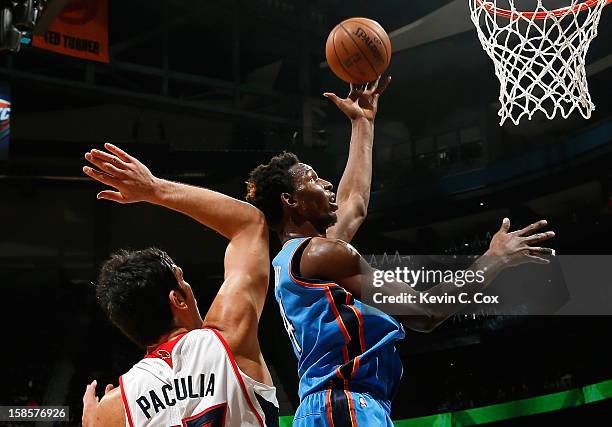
(539, 55)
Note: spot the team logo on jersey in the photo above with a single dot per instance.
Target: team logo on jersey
(5, 112)
(163, 354)
(362, 402)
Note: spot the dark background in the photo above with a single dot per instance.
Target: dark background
(202, 93)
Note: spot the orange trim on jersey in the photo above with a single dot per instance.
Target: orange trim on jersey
(352, 414)
(301, 282)
(237, 372)
(345, 354)
(330, 298)
(125, 403)
(287, 242)
(330, 418)
(339, 374)
(360, 321)
(355, 366)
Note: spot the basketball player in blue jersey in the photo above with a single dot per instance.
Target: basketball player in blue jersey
(348, 366)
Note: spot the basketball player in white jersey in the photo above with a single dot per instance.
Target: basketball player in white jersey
(196, 372)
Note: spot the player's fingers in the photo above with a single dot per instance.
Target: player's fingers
(531, 228)
(382, 86)
(505, 225)
(104, 166)
(102, 177)
(371, 86)
(114, 196)
(356, 92)
(541, 251)
(109, 158)
(118, 152)
(537, 259)
(333, 97)
(538, 237)
(90, 390)
(108, 388)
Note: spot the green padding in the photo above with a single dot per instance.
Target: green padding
(504, 411)
(519, 408)
(596, 392)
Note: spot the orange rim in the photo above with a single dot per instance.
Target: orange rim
(491, 8)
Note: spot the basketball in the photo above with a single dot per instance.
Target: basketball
(358, 50)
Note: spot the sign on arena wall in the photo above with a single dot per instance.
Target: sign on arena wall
(5, 120)
(80, 30)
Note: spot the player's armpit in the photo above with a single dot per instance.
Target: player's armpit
(236, 309)
(337, 261)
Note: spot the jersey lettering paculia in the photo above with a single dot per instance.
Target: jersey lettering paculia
(339, 342)
(194, 381)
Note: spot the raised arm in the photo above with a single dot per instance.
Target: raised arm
(353, 195)
(338, 261)
(243, 224)
(134, 182)
(238, 305)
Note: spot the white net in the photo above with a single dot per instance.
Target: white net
(539, 54)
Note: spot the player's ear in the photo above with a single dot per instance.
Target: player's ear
(177, 299)
(287, 199)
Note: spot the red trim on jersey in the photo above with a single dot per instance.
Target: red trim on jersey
(237, 372)
(125, 403)
(330, 418)
(301, 282)
(205, 411)
(164, 351)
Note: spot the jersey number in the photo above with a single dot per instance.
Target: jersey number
(289, 327)
(212, 417)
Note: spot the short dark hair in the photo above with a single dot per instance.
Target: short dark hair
(133, 288)
(267, 182)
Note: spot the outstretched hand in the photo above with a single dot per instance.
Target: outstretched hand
(132, 180)
(91, 402)
(362, 101)
(517, 247)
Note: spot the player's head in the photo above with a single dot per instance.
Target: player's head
(144, 294)
(285, 189)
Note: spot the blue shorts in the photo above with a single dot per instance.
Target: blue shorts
(340, 408)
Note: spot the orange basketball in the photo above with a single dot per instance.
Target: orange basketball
(358, 50)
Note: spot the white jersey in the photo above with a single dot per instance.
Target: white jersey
(194, 381)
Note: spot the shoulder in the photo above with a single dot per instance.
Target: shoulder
(325, 256)
(111, 411)
(323, 246)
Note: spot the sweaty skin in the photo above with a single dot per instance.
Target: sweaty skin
(236, 309)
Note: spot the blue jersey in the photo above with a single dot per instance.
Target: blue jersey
(339, 342)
